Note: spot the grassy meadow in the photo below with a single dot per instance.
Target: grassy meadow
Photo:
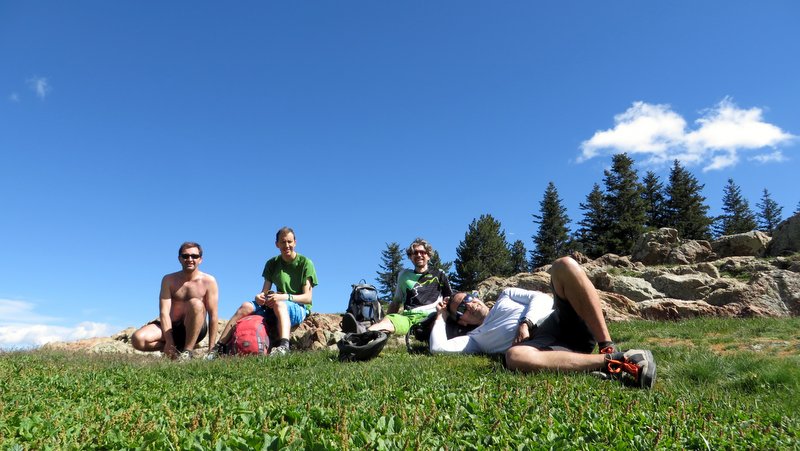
(722, 383)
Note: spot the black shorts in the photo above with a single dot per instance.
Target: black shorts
(179, 332)
(563, 330)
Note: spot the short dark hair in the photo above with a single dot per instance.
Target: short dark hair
(419, 242)
(284, 231)
(187, 245)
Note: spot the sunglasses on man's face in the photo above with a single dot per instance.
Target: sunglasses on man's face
(419, 252)
(462, 307)
(192, 256)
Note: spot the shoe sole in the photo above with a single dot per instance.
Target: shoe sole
(648, 377)
(349, 324)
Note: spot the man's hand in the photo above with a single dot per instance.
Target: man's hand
(441, 307)
(274, 298)
(261, 298)
(169, 348)
(523, 333)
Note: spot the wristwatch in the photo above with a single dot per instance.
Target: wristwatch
(290, 296)
(530, 324)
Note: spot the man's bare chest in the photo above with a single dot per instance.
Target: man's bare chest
(193, 289)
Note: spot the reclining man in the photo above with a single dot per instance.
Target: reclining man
(418, 292)
(186, 296)
(538, 333)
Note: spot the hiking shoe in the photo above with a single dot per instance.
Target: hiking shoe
(634, 367)
(185, 356)
(607, 347)
(350, 325)
(279, 350)
(218, 350)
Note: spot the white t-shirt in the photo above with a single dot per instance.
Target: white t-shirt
(499, 328)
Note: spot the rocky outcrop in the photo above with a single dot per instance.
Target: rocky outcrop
(752, 244)
(670, 278)
(786, 237)
(663, 246)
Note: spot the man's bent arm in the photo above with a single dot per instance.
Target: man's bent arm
(212, 304)
(164, 308)
(439, 344)
(538, 305)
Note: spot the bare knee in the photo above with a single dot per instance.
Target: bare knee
(196, 307)
(564, 264)
(522, 358)
(245, 309)
(280, 308)
(138, 340)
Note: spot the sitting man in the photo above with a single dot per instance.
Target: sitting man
(186, 296)
(294, 277)
(538, 333)
(418, 292)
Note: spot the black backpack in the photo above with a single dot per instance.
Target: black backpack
(364, 304)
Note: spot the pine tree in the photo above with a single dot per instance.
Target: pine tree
(553, 236)
(482, 254)
(769, 213)
(437, 263)
(797, 209)
(737, 217)
(519, 262)
(686, 210)
(624, 206)
(590, 235)
(654, 200)
(392, 258)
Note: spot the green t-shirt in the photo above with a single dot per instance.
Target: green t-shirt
(290, 277)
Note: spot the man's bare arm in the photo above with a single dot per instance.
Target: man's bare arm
(164, 308)
(212, 304)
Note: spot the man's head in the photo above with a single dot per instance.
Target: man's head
(467, 309)
(419, 252)
(190, 255)
(285, 241)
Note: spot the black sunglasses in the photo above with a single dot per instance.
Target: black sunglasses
(193, 256)
(462, 307)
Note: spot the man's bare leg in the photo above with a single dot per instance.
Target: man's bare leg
(282, 314)
(383, 325)
(572, 285)
(148, 338)
(245, 309)
(528, 359)
(193, 319)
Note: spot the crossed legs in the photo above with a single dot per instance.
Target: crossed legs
(572, 285)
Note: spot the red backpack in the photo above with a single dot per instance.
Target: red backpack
(250, 336)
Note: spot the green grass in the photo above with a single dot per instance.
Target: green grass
(713, 392)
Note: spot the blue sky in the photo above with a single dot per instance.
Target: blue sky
(127, 128)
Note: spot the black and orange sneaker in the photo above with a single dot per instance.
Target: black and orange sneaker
(634, 367)
(607, 347)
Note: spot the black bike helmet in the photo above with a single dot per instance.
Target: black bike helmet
(364, 346)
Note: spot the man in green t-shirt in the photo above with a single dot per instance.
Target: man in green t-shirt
(417, 293)
(294, 277)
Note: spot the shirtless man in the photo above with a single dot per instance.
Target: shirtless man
(185, 298)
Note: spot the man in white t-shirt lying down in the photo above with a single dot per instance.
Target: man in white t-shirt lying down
(538, 332)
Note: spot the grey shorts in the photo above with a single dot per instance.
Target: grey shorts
(563, 330)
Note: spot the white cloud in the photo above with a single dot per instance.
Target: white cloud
(721, 134)
(22, 327)
(40, 86)
(13, 97)
(774, 157)
(643, 128)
